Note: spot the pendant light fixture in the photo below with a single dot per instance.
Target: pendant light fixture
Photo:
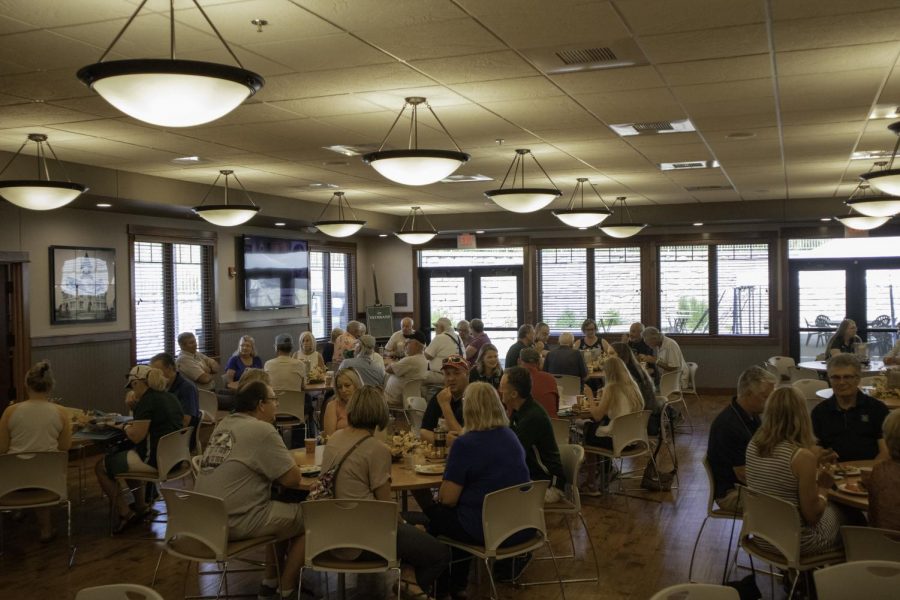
(523, 199)
(622, 229)
(412, 235)
(414, 166)
(171, 92)
(582, 217)
(873, 206)
(341, 227)
(867, 220)
(887, 180)
(41, 193)
(226, 215)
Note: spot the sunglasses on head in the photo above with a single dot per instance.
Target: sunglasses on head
(455, 359)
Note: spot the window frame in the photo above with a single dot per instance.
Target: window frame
(351, 281)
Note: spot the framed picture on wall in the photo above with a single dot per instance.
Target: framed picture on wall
(82, 285)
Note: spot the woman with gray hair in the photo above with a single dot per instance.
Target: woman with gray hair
(369, 366)
(884, 483)
(244, 357)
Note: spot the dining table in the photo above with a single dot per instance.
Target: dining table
(403, 478)
(853, 499)
(821, 367)
(892, 401)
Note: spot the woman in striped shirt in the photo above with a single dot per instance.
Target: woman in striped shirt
(783, 461)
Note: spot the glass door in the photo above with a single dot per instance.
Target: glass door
(821, 305)
(882, 296)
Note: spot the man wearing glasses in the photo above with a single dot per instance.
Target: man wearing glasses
(850, 421)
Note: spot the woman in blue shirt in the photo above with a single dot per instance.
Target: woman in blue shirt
(243, 358)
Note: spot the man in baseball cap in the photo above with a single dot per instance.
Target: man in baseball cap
(447, 404)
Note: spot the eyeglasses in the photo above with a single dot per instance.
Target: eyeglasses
(454, 359)
(843, 377)
(272, 399)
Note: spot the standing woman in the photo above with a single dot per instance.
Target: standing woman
(590, 340)
(37, 425)
(346, 383)
(308, 353)
(487, 367)
(156, 413)
(244, 357)
(844, 339)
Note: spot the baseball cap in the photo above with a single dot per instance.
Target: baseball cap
(284, 338)
(455, 361)
(416, 335)
(138, 372)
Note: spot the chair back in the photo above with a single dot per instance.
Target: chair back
(697, 591)
(511, 510)
(172, 450)
(35, 470)
(773, 520)
(412, 389)
(292, 403)
(118, 591)
(197, 524)
(561, 430)
(670, 383)
(415, 410)
(783, 365)
(692, 377)
(572, 457)
(869, 381)
(569, 384)
(629, 429)
(711, 482)
(209, 403)
(870, 579)
(369, 525)
(416, 402)
(809, 387)
(871, 543)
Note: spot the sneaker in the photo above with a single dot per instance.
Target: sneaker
(510, 569)
(267, 592)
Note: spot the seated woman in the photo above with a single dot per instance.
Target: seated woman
(245, 455)
(346, 383)
(308, 354)
(884, 483)
(592, 341)
(541, 339)
(487, 457)
(365, 474)
(638, 374)
(368, 365)
(844, 339)
(37, 425)
(620, 396)
(328, 347)
(487, 366)
(782, 461)
(244, 357)
(156, 413)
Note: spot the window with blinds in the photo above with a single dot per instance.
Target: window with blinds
(743, 289)
(684, 289)
(332, 277)
(563, 287)
(617, 285)
(173, 292)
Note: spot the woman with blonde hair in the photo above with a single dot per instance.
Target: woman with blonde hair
(37, 425)
(782, 461)
(487, 367)
(244, 357)
(487, 457)
(156, 413)
(308, 353)
(884, 483)
(844, 339)
(346, 383)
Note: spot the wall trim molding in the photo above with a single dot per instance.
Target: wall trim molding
(81, 338)
(239, 325)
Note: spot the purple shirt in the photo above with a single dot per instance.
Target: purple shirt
(477, 342)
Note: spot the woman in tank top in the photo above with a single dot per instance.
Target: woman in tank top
(37, 425)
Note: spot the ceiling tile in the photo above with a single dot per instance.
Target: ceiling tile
(489, 66)
(713, 43)
(458, 37)
(715, 70)
(651, 17)
(837, 30)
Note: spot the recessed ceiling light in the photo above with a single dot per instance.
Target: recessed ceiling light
(103, 205)
(280, 224)
(189, 160)
(825, 219)
(318, 185)
(480, 231)
(653, 127)
(348, 150)
(689, 164)
(740, 135)
(463, 178)
(885, 111)
(698, 224)
(382, 235)
(871, 154)
(582, 228)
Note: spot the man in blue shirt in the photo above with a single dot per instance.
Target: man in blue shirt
(182, 388)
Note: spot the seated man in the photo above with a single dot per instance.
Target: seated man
(543, 385)
(668, 356)
(635, 340)
(565, 360)
(447, 404)
(181, 388)
(196, 366)
(411, 367)
(479, 339)
(245, 455)
(730, 433)
(524, 339)
(285, 372)
(850, 422)
(532, 426)
(444, 343)
(368, 364)
(396, 345)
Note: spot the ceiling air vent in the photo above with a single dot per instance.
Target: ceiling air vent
(689, 164)
(586, 55)
(708, 188)
(653, 127)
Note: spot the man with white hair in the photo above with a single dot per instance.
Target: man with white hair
(411, 367)
(565, 360)
(396, 345)
(365, 362)
(444, 343)
(668, 354)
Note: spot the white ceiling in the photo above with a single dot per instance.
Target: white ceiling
(798, 78)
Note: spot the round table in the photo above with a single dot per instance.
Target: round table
(402, 479)
(893, 403)
(874, 367)
(852, 500)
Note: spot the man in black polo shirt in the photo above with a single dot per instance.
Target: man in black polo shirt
(182, 388)
(730, 433)
(850, 421)
(447, 403)
(532, 426)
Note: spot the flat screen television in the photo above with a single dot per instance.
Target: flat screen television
(275, 273)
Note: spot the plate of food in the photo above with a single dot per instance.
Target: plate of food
(847, 471)
(853, 488)
(430, 469)
(310, 470)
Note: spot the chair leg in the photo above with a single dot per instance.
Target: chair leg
(72, 548)
(587, 533)
(156, 570)
(694, 553)
(490, 574)
(562, 587)
(399, 581)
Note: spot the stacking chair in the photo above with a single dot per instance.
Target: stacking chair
(692, 381)
(711, 513)
(572, 456)
(629, 440)
(291, 411)
(809, 387)
(415, 410)
(209, 406)
(670, 389)
(784, 366)
(777, 522)
(36, 480)
(570, 384)
(697, 591)
(561, 430)
(871, 543)
(505, 513)
(197, 531)
(118, 591)
(173, 460)
(367, 525)
(870, 579)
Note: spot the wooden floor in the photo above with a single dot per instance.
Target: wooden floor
(643, 546)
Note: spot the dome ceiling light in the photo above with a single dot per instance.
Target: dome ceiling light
(873, 206)
(226, 215)
(341, 227)
(171, 92)
(412, 235)
(887, 180)
(522, 199)
(415, 166)
(582, 217)
(623, 229)
(41, 193)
